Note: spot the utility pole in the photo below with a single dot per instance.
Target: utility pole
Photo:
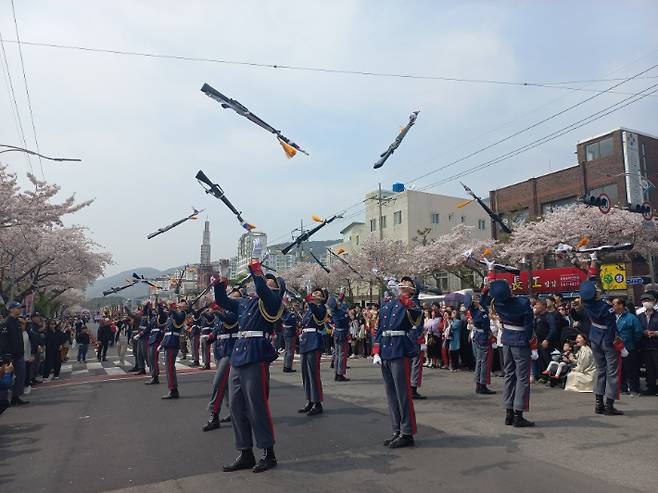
(301, 245)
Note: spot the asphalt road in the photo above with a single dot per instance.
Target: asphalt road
(105, 436)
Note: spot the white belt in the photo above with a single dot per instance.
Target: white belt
(227, 336)
(155, 330)
(479, 330)
(288, 326)
(514, 328)
(172, 334)
(394, 333)
(599, 326)
(251, 333)
(309, 329)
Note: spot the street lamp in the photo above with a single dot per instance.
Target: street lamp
(11, 148)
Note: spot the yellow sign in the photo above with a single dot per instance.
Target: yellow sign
(613, 276)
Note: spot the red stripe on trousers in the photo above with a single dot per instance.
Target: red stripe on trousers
(318, 378)
(156, 362)
(343, 363)
(265, 398)
(421, 357)
(170, 368)
(618, 389)
(220, 392)
(526, 400)
(407, 373)
(489, 363)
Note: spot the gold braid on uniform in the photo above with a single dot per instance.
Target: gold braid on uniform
(269, 318)
(173, 322)
(417, 321)
(231, 326)
(320, 322)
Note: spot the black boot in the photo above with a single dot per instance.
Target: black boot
(509, 417)
(477, 387)
(173, 394)
(332, 365)
(141, 372)
(17, 401)
(212, 424)
(599, 408)
(267, 461)
(316, 409)
(610, 409)
(520, 421)
(306, 408)
(415, 395)
(153, 381)
(226, 419)
(134, 368)
(402, 441)
(245, 460)
(4, 404)
(485, 391)
(194, 363)
(206, 366)
(341, 378)
(288, 370)
(388, 441)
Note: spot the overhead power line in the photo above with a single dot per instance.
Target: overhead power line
(329, 70)
(13, 97)
(27, 90)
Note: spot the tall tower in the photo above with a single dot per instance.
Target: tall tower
(205, 245)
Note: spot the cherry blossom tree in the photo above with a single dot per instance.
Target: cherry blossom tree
(37, 253)
(570, 224)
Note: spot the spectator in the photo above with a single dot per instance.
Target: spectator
(122, 340)
(15, 354)
(577, 314)
(83, 340)
(630, 330)
(581, 377)
(29, 356)
(53, 362)
(454, 344)
(104, 335)
(544, 335)
(433, 331)
(649, 341)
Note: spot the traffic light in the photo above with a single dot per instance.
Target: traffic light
(596, 201)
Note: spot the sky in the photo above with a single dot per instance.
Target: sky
(144, 129)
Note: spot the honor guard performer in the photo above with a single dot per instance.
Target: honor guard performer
(311, 344)
(481, 330)
(208, 323)
(519, 345)
(142, 339)
(250, 360)
(606, 347)
(290, 323)
(171, 345)
(417, 336)
(155, 338)
(397, 317)
(340, 317)
(224, 335)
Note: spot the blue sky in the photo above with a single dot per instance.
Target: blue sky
(143, 127)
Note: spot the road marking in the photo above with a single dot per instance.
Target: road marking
(94, 366)
(79, 372)
(114, 371)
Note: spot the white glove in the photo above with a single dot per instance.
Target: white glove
(624, 353)
(423, 347)
(376, 360)
(257, 249)
(222, 271)
(592, 256)
(393, 287)
(534, 355)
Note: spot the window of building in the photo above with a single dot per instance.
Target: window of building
(482, 225)
(556, 205)
(516, 218)
(373, 224)
(382, 222)
(463, 219)
(612, 191)
(397, 217)
(442, 281)
(599, 149)
(451, 216)
(357, 239)
(468, 280)
(435, 218)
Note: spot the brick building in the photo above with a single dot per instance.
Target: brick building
(620, 163)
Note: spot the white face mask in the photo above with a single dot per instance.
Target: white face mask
(648, 305)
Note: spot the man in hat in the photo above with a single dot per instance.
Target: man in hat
(15, 352)
(252, 354)
(290, 322)
(605, 344)
(519, 344)
(397, 317)
(340, 317)
(311, 345)
(171, 344)
(195, 335)
(224, 335)
(208, 323)
(480, 325)
(141, 336)
(649, 341)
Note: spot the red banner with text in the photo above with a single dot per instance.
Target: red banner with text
(557, 280)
